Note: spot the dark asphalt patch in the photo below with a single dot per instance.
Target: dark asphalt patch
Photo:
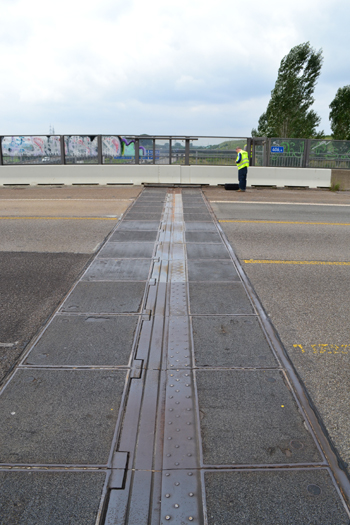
(31, 286)
(60, 416)
(207, 270)
(231, 342)
(105, 297)
(203, 237)
(126, 249)
(134, 236)
(289, 498)
(138, 226)
(142, 216)
(55, 498)
(207, 251)
(193, 217)
(251, 417)
(218, 298)
(85, 340)
(200, 227)
(118, 270)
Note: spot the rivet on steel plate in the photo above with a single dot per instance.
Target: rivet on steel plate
(188, 397)
(170, 423)
(189, 455)
(189, 438)
(167, 495)
(188, 423)
(188, 409)
(187, 385)
(171, 375)
(168, 455)
(171, 409)
(177, 430)
(190, 474)
(177, 415)
(177, 390)
(171, 385)
(167, 474)
(190, 518)
(176, 505)
(177, 463)
(170, 438)
(177, 402)
(171, 365)
(177, 484)
(177, 446)
(169, 518)
(171, 397)
(186, 375)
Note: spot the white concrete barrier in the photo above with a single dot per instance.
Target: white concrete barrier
(165, 174)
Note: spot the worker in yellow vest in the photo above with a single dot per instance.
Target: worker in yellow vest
(242, 162)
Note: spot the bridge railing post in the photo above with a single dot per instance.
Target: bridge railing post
(62, 147)
(137, 151)
(187, 152)
(306, 156)
(1, 157)
(99, 149)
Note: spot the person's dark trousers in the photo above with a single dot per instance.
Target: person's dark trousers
(242, 178)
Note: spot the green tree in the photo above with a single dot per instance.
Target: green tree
(340, 114)
(288, 114)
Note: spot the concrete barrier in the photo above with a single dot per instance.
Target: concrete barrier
(165, 174)
(341, 177)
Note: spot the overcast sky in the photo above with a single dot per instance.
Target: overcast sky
(187, 67)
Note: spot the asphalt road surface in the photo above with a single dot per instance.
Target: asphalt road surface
(157, 377)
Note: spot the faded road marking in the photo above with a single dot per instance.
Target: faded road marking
(288, 222)
(324, 263)
(326, 349)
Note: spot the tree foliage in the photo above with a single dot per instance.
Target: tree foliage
(288, 114)
(340, 114)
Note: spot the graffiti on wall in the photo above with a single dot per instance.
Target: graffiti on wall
(75, 146)
(34, 146)
(78, 146)
(118, 147)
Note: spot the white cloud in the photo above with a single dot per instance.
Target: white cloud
(157, 67)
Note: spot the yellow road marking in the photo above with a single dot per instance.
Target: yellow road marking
(326, 349)
(28, 199)
(61, 218)
(288, 222)
(267, 261)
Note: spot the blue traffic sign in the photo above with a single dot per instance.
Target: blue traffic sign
(277, 149)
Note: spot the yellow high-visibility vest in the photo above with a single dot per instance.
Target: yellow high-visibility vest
(244, 160)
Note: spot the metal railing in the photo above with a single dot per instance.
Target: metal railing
(301, 153)
(175, 150)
